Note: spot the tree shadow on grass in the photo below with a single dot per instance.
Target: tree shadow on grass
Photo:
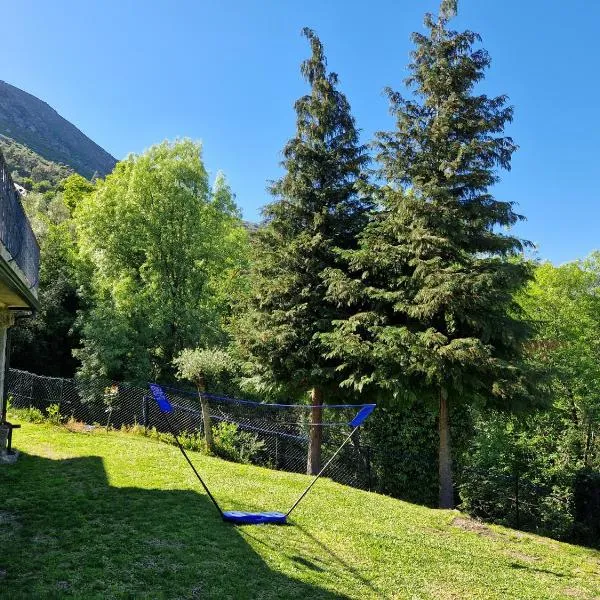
(65, 532)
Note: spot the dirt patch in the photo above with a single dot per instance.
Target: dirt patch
(435, 530)
(467, 524)
(47, 451)
(523, 557)
(74, 426)
(442, 591)
(78, 427)
(575, 593)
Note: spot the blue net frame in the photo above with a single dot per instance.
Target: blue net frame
(291, 422)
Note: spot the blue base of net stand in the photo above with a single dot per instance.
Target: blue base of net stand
(246, 518)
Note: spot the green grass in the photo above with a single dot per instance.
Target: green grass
(112, 515)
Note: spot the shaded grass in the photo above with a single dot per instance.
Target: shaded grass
(111, 515)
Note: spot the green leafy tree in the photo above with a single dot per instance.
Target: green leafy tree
(565, 303)
(74, 189)
(157, 248)
(200, 365)
(316, 212)
(431, 287)
(45, 343)
(519, 473)
(530, 472)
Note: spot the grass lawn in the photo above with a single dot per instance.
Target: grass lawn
(112, 515)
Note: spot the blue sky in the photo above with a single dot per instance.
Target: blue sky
(130, 73)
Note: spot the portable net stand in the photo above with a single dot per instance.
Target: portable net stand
(282, 430)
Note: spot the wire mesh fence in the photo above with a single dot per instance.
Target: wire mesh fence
(270, 435)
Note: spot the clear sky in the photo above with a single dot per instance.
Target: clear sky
(130, 73)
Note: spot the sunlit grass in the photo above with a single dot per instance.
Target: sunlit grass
(111, 515)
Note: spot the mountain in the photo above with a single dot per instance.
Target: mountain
(33, 123)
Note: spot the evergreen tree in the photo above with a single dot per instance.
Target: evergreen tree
(432, 283)
(316, 212)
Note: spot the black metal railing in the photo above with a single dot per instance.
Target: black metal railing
(15, 230)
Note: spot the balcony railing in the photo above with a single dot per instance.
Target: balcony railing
(15, 230)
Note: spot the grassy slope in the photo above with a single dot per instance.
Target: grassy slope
(117, 516)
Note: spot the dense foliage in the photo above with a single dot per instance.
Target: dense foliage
(45, 344)
(565, 302)
(29, 168)
(538, 472)
(160, 250)
(430, 286)
(316, 212)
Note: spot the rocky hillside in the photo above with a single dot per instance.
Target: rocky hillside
(31, 122)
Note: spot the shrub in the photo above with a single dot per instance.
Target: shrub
(510, 459)
(29, 415)
(53, 414)
(238, 446)
(42, 186)
(189, 440)
(586, 529)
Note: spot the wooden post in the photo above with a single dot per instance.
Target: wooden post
(313, 465)
(206, 421)
(445, 457)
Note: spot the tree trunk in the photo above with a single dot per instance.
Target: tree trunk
(313, 465)
(206, 421)
(445, 457)
(589, 439)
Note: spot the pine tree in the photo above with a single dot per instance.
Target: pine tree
(315, 213)
(433, 281)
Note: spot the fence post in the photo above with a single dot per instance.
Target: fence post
(368, 460)
(146, 412)
(517, 515)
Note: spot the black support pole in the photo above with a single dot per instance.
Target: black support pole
(287, 514)
(182, 449)
(6, 373)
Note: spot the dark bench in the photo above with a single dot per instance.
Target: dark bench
(10, 426)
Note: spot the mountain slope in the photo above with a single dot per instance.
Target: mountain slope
(25, 163)
(33, 123)
(116, 515)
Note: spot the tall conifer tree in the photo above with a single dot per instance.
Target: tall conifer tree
(433, 284)
(315, 213)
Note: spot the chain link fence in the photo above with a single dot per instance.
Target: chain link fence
(279, 438)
